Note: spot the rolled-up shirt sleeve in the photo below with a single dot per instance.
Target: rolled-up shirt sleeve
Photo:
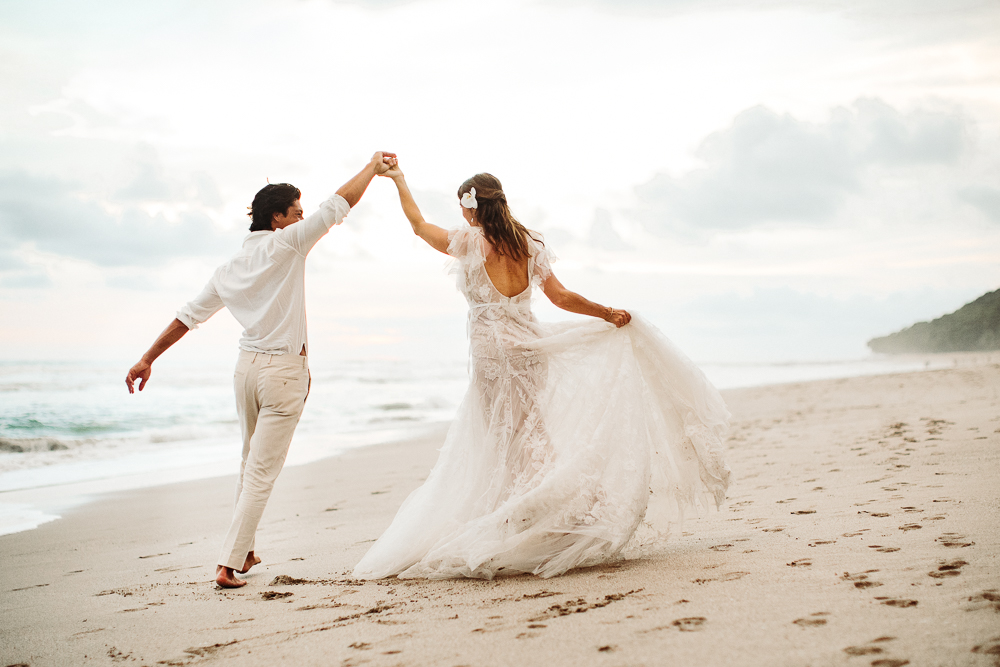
(202, 307)
(302, 236)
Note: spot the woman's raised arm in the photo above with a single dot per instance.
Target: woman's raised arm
(574, 303)
(435, 236)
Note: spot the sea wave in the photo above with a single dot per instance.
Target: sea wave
(22, 445)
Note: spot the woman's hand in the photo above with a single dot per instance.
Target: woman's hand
(382, 162)
(392, 169)
(619, 318)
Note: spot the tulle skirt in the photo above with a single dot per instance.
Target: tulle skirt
(625, 437)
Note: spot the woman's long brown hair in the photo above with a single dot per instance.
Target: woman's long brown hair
(503, 231)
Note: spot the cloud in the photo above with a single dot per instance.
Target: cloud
(440, 208)
(53, 216)
(10, 261)
(151, 184)
(784, 324)
(603, 234)
(16, 273)
(769, 167)
(377, 5)
(25, 280)
(931, 11)
(983, 197)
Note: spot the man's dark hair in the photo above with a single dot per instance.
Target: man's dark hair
(272, 198)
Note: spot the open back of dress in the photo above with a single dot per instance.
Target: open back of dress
(574, 439)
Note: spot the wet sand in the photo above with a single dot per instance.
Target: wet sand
(862, 530)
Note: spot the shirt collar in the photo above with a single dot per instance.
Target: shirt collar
(251, 235)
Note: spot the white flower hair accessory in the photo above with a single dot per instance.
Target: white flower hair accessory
(469, 199)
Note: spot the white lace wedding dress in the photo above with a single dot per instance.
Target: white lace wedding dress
(574, 440)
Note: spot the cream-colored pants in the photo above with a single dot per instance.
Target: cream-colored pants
(271, 390)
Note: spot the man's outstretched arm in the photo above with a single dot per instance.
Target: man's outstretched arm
(305, 234)
(173, 333)
(354, 188)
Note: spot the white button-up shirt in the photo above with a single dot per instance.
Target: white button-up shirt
(263, 285)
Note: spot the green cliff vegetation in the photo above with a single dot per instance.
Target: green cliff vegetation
(975, 327)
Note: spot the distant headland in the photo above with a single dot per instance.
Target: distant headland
(975, 327)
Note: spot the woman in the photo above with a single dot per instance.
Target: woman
(574, 439)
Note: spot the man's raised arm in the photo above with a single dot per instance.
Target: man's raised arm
(304, 235)
(354, 188)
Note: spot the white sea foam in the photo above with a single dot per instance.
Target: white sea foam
(16, 517)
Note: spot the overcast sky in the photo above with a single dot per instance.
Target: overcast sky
(780, 181)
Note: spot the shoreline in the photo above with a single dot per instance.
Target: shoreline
(862, 526)
(22, 506)
(45, 500)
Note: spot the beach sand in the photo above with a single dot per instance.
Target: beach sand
(862, 529)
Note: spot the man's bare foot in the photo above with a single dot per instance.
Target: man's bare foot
(250, 562)
(226, 578)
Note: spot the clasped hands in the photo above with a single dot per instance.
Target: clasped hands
(383, 162)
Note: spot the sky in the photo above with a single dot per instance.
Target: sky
(766, 181)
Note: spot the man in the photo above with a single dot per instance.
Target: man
(263, 286)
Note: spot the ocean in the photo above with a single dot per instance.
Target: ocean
(64, 424)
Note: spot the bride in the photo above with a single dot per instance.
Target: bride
(575, 439)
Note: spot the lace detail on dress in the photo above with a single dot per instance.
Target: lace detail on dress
(573, 440)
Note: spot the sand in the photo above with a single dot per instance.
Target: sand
(862, 530)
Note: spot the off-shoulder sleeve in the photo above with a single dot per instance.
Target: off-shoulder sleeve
(541, 260)
(467, 243)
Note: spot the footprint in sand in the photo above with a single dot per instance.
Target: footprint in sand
(881, 549)
(889, 662)
(690, 624)
(285, 580)
(275, 595)
(948, 569)
(861, 579)
(805, 512)
(870, 649)
(911, 526)
(812, 621)
(721, 547)
(895, 602)
(990, 647)
(954, 540)
(802, 562)
(816, 543)
(986, 600)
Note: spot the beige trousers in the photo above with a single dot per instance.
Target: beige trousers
(271, 390)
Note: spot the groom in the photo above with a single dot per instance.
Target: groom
(263, 286)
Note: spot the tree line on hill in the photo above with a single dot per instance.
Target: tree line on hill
(975, 327)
